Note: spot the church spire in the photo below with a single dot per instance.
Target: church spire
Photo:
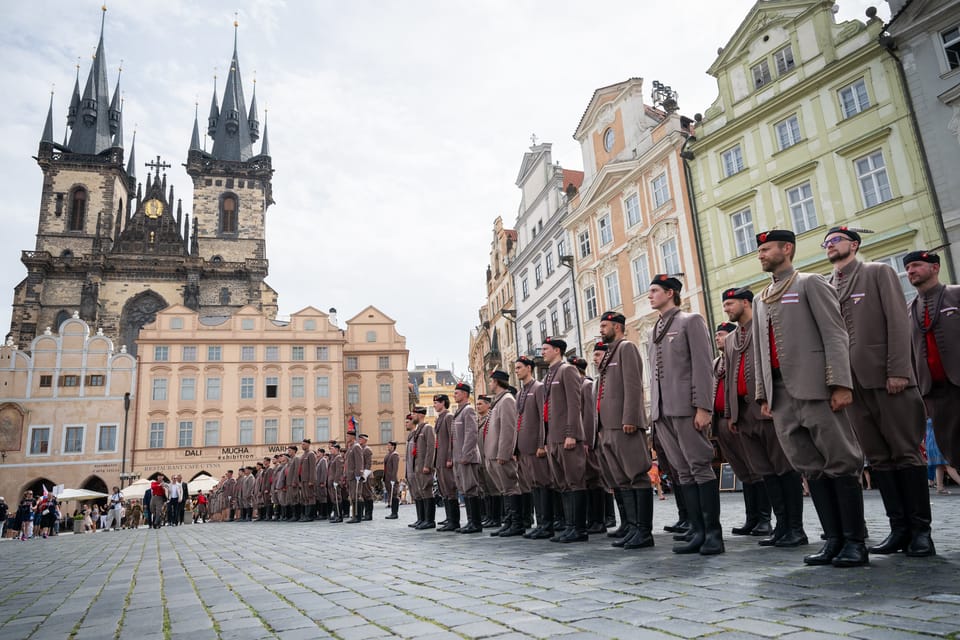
(252, 117)
(91, 132)
(48, 125)
(214, 116)
(116, 108)
(195, 138)
(265, 145)
(74, 101)
(118, 132)
(231, 136)
(132, 163)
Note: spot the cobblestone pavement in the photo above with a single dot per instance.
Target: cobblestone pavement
(381, 579)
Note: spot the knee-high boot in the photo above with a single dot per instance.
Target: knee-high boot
(712, 529)
(643, 535)
(628, 516)
(775, 489)
(624, 527)
(750, 508)
(682, 524)
(609, 510)
(537, 499)
(513, 522)
(828, 510)
(763, 527)
(894, 504)
(792, 487)
(418, 504)
(691, 499)
(449, 523)
(850, 499)
(595, 503)
(913, 486)
(472, 507)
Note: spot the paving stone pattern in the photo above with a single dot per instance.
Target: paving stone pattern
(381, 579)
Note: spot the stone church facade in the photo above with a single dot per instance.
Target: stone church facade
(118, 251)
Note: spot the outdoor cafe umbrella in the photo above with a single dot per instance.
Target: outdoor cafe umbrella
(142, 484)
(201, 483)
(80, 494)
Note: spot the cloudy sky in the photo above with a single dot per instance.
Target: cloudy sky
(396, 128)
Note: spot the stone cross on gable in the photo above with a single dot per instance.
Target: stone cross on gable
(157, 164)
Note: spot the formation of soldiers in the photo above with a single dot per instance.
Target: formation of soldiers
(303, 485)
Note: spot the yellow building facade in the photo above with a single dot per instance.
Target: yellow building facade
(430, 381)
(811, 129)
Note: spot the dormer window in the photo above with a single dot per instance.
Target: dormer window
(761, 74)
(228, 213)
(609, 139)
(78, 209)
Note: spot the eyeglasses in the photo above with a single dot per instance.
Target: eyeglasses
(829, 242)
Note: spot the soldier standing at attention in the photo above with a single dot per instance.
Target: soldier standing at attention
(366, 486)
(887, 413)
(229, 487)
(596, 494)
(492, 501)
(563, 439)
(322, 473)
(335, 488)
(804, 383)
(445, 477)
(621, 428)
(533, 470)
(411, 470)
(466, 458)
(681, 405)
(391, 467)
(782, 485)
(425, 461)
(936, 341)
(307, 476)
(293, 484)
(500, 446)
(353, 475)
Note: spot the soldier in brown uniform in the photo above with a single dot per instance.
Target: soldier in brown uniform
(249, 492)
(425, 463)
(755, 502)
(596, 494)
(366, 487)
(533, 469)
(681, 405)
(621, 430)
(293, 484)
(335, 488)
(782, 485)
(500, 446)
(804, 381)
(307, 479)
(445, 476)
(935, 324)
(466, 458)
(266, 479)
(887, 411)
(391, 469)
(228, 488)
(353, 475)
(563, 439)
(277, 493)
(410, 425)
(492, 499)
(320, 477)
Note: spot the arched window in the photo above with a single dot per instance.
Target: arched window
(62, 317)
(78, 209)
(228, 213)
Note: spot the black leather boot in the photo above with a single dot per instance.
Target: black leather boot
(691, 499)
(497, 506)
(643, 536)
(792, 487)
(609, 510)
(509, 516)
(357, 507)
(394, 509)
(513, 521)
(628, 516)
(446, 512)
(311, 510)
(712, 529)
(595, 520)
(546, 525)
(894, 503)
(913, 486)
(682, 524)
(486, 523)
(369, 515)
(559, 523)
(775, 489)
(828, 510)
(763, 528)
(750, 508)
(622, 529)
(449, 523)
(527, 502)
(429, 515)
(537, 496)
(579, 503)
(850, 499)
(569, 529)
(418, 504)
(232, 511)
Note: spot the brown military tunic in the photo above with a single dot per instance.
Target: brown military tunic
(425, 448)
(229, 493)
(293, 481)
(533, 471)
(445, 456)
(322, 479)
(391, 469)
(730, 443)
(411, 470)
(592, 475)
(353, 472)
(366, 487)
(500, 444)
(335, 479)
(624, 457)
(562, 418)
(487, 485)
(307, 477)
(466, 452)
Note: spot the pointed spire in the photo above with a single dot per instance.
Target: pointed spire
(116, 106)
(195, 138)
(214, 116)
(92, 133)
(118, 132)
(265, 145)
(231, 136)
(48, 125)
(74, 100)
(194, 244)
(252, 117)
(186, 233)
(132, 163)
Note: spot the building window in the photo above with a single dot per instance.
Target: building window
(761, 74)
(270, 430)
(185, 436)
(46, 381)
(548, 261)
(176, 323)
(661, 192)
(352, 363)
(248, 353)
(69, 380)
(213, 388)
(310, 325)
(853, 98)
(107, 438)
(297, 387)
(671, 256)
(272, 353)
(323, 354)
(371, 336)
(803, 211)
(525, 288)
(383, 362)
(73, 440)
(788, 132)
(429, 382)
(247, 324)
(529, 337)
(632, 208)
(157, 430)
(246, 388)
(583, 240)
(296, 353)
(561, 248)
(78, 209)
(322, 432)
(246, 431)
(272, 389)
(732, 161)
(323, 387)
(543, 330)
(96, 380)
(190, 354)
(161, 354)
(39, 441)
(590, 302)
(386, 394)
(211, 433)
(567, 314)
(228, 213)
(784, 60)
(951, 46)
(159, 390)
(555, 321)
(611, 285)
(537, 275)
(296, 429)
(188, 388)
(641, 274)
(606, 231)
(386, 431)
(896, 263)
(353, 394)
(872, 174)
(743, 236)
(214, 353)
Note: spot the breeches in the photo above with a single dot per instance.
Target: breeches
(689, 451)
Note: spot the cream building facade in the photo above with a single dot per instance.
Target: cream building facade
(62, 413)
(218, 393)
(811, 129)
(430, 380)
(632, 218)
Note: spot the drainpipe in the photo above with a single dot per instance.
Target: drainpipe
(686, 156)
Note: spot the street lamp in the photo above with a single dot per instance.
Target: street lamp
(123, 455)
(567, 261)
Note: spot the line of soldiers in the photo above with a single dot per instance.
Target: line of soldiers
(303, 485)
(816, 377)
